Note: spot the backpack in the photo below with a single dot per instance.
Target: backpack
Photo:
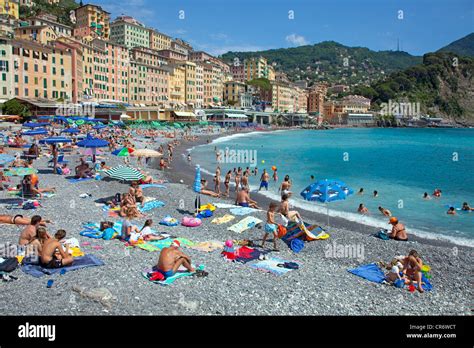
(9, 265)
(382, 235)
(281, 231)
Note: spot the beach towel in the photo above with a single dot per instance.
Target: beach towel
(271, 265)
(79, 262)
(207, 246)
(17, 193)
(75, 180)
(245, 254)
(244, 224)
(242, 211)
(169, 221)
(223, 219)
(225, 205)
(157, 245)
(144, 186)
(151, 205)
(373, 273)
(171, 280)
(294, 228)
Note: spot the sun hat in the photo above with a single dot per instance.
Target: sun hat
(393, 220)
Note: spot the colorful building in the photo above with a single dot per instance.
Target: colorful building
(159, 41)
(11, 8)
(316, 96)
(43, 34)
(129, 32)
(255, 68)
(92, 22)
(177, 85)
(50, 20)
(6, 70)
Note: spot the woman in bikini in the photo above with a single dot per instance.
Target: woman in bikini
(227, 179)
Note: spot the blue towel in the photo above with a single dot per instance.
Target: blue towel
(144, 186)
(370, 272)
(74, 180)
(151, 205)
(79, 262)
(242, 211)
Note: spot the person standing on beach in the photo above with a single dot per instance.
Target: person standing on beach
(264, 180)
(217, 181)
(362, 209)
(285, 186)
(245, 180)
(271, 226)
(275, 175)
(227, 179)
(237, 179)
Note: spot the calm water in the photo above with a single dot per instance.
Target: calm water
(401, 164)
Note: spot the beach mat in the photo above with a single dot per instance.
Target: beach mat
(157, 245)
(207, 246)
(244, 224)
(74, 180)
(172, 279)
(271, 266)
(79, 262)
(318, 233)
(240, 211)
(225, 205)
(223, 219)
(373, 273)
(246, 254)
(151, 205)
(144, 186)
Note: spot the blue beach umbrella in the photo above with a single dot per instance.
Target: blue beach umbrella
(99, 126)
(71, 130)
(35, 124)
(92, 143)
(37, 131)
(326, 191)
(197, 188)
(53, 141)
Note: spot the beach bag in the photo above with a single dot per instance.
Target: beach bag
(205, 214)
(296, 245)
(109, 233)
(382, 235)
(281, 231)
(399, 283)
(9, 265)
(59, 171)
(156, 276)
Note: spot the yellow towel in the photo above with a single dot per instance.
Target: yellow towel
(76, 252)
(224, 219)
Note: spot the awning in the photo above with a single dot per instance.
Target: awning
(184, 114)
(237, 116)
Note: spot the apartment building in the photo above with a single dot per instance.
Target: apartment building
(129, 32)
(92, 22)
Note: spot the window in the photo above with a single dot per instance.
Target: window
(36, 67)
(4, 77)
(25, 66)
(16, 78)
(26, 92)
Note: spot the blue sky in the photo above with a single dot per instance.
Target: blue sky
(218, 26)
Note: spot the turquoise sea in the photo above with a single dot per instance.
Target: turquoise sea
(401, 164)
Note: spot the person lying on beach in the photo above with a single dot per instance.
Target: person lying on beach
(103, 166)
(362, 209)
(243, 199)
(145, 233)
(171, 258)
(412, 265)
(19, 220)
(271, 227)
(451, 211)
(285, 186)
(53, 255)
(207, 192)
(398, 230)
(385, 212)
(264, 180)
(466, 207)
(3, 179)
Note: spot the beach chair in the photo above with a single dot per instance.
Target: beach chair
(61, 160)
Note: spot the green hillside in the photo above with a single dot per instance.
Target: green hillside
(462, 47)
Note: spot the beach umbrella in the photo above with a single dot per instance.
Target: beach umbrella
(5, 159)
(326, 191)
(71, 130)
(197, 188)
(125, 173)
(123, 152)
(20, 171)
(146, 153)
(37, 131)
(35, 124)
(90, 152)
(93, 143)
(99, 126)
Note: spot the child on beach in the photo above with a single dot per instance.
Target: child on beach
(395, 268)
(271, 226)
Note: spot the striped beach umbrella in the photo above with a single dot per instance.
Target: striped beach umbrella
(124, 173)
(123, 152)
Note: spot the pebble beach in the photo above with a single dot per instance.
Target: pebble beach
(321, 286)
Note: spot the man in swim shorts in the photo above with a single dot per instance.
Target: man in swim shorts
(264, 180)
(243, 199)
(398, 230)
(171, 259)
(52, 253)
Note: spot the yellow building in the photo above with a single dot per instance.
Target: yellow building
(233, 91)
(159, 41)
(10, 8)
(39, 33)
(271, 73)
(92, 22)
(177, 85)
(41, 71)
(148, 85)
(255, 68)
(282, 97)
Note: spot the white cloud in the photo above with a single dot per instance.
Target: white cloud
(296, 40)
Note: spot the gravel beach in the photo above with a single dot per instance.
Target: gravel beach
(322, 285)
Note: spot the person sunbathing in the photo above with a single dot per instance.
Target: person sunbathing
(53, 255)
(171, 258)
(398, 230)
(83, 171)
(19, 220)
(412, 265)
(29, 232)
(29, 190)
(207, 192)
(243, 199)
(291, 215)
(139, 197)
(38, 241)
(127, 227)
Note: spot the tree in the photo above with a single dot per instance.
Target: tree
(14, 107)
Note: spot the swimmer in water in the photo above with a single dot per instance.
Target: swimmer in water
(385, 212)
(363, 209)
(361, 191)
(426, 196)
(376, 194)
(466, 207)
(451, 211)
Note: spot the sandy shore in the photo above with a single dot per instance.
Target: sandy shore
(322, 286)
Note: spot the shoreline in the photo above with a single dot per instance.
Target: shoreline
(182, 170)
